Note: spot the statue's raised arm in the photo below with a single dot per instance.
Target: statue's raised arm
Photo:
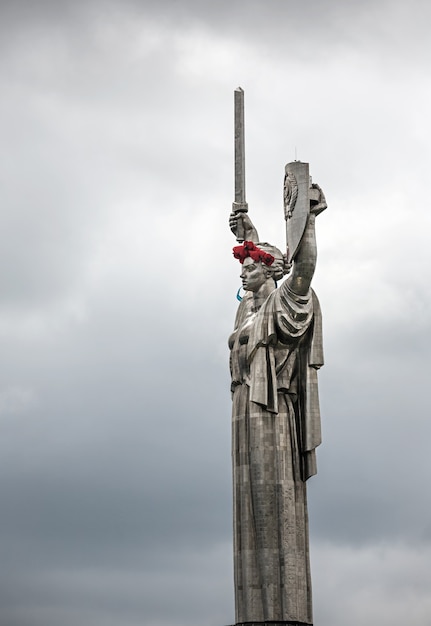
(300, 211)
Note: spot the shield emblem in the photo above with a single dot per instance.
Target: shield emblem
(296, 204)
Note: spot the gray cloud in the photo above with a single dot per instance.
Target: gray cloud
(118, 294)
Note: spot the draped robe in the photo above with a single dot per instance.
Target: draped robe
(275, 354)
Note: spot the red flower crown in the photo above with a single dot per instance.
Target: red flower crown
(248, 249)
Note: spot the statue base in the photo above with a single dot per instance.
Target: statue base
(272, 624)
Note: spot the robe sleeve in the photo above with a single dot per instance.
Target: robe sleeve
(295, 322)
(284, 317)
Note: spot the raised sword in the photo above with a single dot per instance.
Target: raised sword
(239, 204)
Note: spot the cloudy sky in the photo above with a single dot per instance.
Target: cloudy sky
(118, 294)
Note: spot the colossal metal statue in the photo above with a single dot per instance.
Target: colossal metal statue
(276, 350)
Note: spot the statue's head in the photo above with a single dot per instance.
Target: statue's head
(260, 262)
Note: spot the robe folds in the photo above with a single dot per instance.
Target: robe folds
(275, 354)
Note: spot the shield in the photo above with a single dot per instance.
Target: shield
(296, 204)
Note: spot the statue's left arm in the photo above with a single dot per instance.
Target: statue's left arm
(305, 260)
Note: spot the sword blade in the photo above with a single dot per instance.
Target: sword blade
(239, 149)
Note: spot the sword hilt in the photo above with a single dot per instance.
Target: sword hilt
(240, 207)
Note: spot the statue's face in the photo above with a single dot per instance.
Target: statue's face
(253, 275)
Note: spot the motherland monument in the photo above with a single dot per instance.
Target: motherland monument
(276, 350)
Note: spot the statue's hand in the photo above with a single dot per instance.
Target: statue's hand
(242, 227)
(317, 200)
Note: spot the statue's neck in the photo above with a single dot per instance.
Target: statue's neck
(261, 295)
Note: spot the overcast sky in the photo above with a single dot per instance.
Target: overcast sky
(118, 294)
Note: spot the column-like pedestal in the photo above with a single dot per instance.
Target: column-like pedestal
(272, 624)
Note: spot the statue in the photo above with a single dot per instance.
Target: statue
(276, 350)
